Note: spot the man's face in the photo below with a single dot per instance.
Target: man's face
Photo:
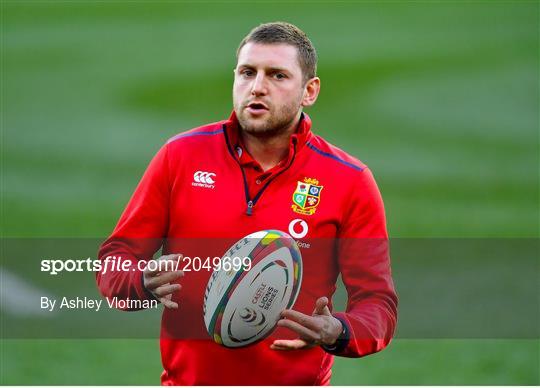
(268, 88)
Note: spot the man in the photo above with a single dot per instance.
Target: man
(262, 168)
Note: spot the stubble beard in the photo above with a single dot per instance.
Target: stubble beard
(276, 124)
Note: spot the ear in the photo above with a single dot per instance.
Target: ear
(311, 92)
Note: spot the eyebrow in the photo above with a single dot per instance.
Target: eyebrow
(272, 69)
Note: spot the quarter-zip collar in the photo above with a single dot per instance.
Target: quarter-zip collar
(255, 180)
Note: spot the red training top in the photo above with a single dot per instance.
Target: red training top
(203, 191)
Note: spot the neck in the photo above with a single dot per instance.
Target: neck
(269, 151)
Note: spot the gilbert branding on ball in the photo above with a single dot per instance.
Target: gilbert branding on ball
(241, 305)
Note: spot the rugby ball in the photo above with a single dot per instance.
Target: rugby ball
(243, 305)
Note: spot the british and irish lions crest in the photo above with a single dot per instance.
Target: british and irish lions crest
(307, 196)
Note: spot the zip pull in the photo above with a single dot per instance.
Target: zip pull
(249, 210)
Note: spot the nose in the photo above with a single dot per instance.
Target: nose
(258, 87)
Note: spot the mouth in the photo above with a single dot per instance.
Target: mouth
(257, 107)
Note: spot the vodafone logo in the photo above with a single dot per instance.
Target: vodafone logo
(204, 179)
(298, 228)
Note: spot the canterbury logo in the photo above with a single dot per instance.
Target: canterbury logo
(204, 179)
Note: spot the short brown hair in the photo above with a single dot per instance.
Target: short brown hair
(282, 32)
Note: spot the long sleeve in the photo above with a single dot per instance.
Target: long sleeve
(363, 257)
(139, 232)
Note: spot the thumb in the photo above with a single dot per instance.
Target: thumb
(321, 306)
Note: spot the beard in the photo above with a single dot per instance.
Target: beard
(276, 121)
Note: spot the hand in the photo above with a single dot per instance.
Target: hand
(158, 283)
(319, 329)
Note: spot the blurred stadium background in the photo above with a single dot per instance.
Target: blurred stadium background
(440, 99)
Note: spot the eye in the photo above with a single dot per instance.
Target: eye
(247, 72)
(280, 76)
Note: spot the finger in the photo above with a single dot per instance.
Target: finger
(164, 278)
(321, 306)
(166, 289)
(284, 347)
(168, 303)
(304, 332)
(153, 267)
(296, 344)
(155, 281)
(303, 319)
(290, 344)
(160, 266)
